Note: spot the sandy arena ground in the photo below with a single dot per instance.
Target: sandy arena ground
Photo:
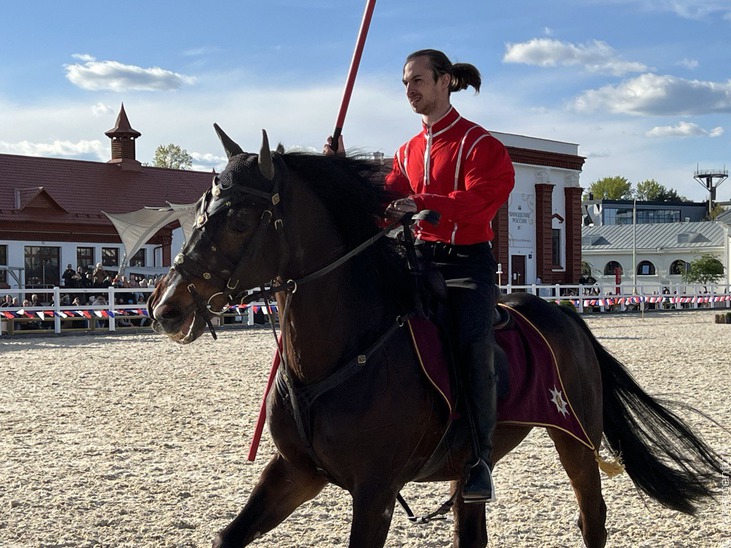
(131, 440)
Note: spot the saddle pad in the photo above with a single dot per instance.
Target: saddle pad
(536, 395)
(427, 343)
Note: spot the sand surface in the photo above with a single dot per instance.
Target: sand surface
(131, 440)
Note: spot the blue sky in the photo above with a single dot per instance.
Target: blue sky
(642, 86)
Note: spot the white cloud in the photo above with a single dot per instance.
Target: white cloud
(100, 109)
(58, 149)
(687, 9)
(595, 56)
(83, 57)
(684, 129)
(697, 9)
(651, 94)
(207, 161)
(93, 75)
(689, 63)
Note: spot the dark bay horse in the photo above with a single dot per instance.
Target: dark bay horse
(352, 406)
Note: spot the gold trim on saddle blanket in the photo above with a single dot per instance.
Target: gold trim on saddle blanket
(424, 368)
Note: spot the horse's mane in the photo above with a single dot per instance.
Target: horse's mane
(353, 192)
(350, 189)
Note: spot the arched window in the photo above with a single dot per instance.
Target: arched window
(612, 267)
(679, 267)
(646, 268)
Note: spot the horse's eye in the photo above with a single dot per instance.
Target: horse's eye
(240, 220)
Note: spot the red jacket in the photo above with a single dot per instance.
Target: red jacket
(469, 175)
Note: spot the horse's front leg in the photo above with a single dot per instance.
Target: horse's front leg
(282, 487)
(372, 512)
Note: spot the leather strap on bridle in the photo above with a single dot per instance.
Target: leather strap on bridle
(293, 285)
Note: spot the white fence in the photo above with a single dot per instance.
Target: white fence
(127, 307)
(596, 298)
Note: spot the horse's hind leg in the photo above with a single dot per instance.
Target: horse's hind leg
(282, 487)
(583, 471)
(470, 526)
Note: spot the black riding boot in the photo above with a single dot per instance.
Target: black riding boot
(480, 392)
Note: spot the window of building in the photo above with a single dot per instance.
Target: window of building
(41, 266)
(3, 262)
(110, 256)
(85, 256)
(138, 259)
(646, 268)
(556, 247)
(623, 216)
(679, 267)
(611, 268)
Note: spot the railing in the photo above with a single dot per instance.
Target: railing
(596, 298)
(127, 308)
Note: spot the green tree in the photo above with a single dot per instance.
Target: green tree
(651, 190)
(172, 157)
(716, 210)
(704, 270)
(611, 188)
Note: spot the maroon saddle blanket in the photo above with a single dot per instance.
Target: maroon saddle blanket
(535, 394)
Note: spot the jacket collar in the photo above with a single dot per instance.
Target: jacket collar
(444, 123)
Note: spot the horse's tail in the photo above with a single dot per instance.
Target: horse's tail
(661, 454)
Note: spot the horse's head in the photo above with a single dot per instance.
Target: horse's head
(232, 247)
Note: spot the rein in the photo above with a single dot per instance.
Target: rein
(293, 285)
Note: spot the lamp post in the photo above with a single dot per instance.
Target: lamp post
(634, 246)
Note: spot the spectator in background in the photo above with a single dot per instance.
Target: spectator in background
(99, 275)
(68, 277)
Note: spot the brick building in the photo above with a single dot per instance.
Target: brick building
(51, 210)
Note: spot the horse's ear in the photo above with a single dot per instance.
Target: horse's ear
(231, 148)
(280, 148)
(266, 166)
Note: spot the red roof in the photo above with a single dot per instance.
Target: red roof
(76, 192)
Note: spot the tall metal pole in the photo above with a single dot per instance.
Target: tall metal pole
(352, 73)
(634, 246)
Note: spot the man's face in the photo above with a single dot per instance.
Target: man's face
(424, 94)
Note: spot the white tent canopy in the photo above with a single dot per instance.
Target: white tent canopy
(137, 227)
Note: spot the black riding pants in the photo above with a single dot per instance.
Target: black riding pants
(469, 272)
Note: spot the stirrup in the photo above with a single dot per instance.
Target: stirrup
(479, 487)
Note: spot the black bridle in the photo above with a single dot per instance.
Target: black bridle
(220, 199)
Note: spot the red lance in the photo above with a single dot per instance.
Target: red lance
(354, 64)
(349, 84)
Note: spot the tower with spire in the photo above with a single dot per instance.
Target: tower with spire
(123, 143)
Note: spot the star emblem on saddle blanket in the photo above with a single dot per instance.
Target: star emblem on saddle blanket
(559, 402)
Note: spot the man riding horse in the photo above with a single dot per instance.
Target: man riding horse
(457, 168)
